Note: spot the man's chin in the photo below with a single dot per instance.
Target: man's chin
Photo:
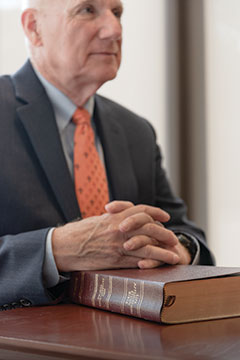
(107, 76)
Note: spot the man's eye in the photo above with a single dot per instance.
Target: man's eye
(88, 10)
(85, 10)
(118, 12)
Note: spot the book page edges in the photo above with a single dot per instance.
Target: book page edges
(198, 300)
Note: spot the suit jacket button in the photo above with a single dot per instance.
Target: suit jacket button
(25, 303)
(14, 305)
(6, 307)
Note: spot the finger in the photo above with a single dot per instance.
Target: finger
(155, 253)
(137, 242)
(164, 236)
(149, 264)
(183, 253)
(159, 224)
(156, 214)
(118, 206)
(135, 221)
(126, 262)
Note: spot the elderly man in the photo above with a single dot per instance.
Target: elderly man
(81, 183)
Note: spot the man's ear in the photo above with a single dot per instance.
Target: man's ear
(30, 26)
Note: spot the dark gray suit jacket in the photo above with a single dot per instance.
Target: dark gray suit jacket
(37, 191)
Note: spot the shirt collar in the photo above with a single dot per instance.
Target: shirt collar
(63, 107)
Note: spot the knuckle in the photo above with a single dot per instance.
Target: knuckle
(129, 203)
(150, 228)
(171, 237)
(112, 229)
(136, 240)
(149, 218)
(169, 257)
(148, 251)
(142, 208)
(124, 204)
(158, 223)
(132, 221)
(116, 252)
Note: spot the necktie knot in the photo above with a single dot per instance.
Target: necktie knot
(81, 117)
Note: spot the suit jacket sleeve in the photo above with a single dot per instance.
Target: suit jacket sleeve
(27, 202)
(22, 257)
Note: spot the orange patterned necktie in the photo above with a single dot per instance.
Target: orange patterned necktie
(89, 174)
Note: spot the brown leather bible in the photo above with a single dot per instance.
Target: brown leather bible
(169, 294)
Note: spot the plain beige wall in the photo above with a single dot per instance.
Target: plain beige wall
(12, 46)
(223, 127)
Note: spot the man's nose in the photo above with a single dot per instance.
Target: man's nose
(111, 27)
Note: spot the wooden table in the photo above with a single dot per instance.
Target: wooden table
(76, 332)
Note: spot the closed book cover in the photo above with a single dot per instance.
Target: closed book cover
(169, 294)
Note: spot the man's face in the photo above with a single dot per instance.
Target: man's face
(80, 41)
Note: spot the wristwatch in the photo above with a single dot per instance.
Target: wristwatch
(189, 244)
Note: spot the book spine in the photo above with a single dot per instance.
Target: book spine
(132, 297)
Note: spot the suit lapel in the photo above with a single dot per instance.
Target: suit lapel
(37, 117)
(119, 167)
(36, 114)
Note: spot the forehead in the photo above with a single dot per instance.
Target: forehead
(107, 3)
(65, 7)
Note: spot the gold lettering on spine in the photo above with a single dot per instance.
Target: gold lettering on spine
(95, 290)
(81, 286)
(141, 298)
(132, 298)
(109, 292)
(101, 292)
(125, 288)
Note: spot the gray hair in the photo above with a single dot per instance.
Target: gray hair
(32, 3)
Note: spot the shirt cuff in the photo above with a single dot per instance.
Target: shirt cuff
(51, 276)
(196, 259)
